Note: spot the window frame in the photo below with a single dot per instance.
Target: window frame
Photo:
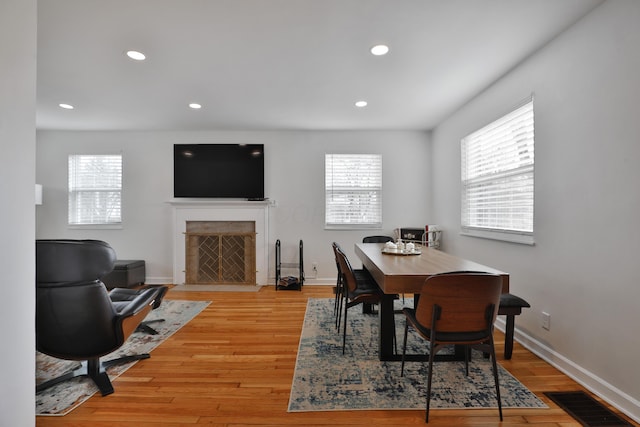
(507, 174)
(335, 188)
(75, 188)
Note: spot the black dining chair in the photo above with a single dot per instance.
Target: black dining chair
(339, 289)
(456, 309)
(361, 275)
(356, 290)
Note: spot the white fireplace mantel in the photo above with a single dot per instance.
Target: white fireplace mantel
(216, 210)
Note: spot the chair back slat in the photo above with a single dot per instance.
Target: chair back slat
(465, 301)
(348, 277)
(336, 248)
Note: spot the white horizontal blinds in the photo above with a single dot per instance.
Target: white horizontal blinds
(353, 190)
(497, 174)
(95, 189)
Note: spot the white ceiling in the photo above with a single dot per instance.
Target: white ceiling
(280, 64)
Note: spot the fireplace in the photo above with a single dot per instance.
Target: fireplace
(220, 242)
(220, 252)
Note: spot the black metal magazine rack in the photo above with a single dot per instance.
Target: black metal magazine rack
(289, 282)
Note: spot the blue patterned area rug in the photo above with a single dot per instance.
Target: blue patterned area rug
(326, 380)
(64, 397)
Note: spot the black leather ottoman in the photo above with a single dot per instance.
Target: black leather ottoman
(124, 296)
(126, 273)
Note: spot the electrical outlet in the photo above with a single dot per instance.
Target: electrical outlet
(546, 321)
(314, 268)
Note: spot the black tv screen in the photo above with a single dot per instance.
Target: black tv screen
(218, 171)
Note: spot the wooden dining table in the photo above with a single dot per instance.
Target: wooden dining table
(405, 274)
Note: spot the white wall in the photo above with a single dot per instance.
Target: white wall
(17, 216)
(582, 269)
(294, 178)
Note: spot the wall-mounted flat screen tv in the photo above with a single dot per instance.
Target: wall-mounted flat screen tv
(218, 171)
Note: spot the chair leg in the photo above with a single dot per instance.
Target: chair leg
(335, 302)
(341, 303)
(395, 338)
(344, 331)
(495, 376)
(144, 326)
(97, 373)
(340, 294)
(466, 360)
(77, 372)
(432, 352)
(404, 348)
(91, 368)
(94, 369)
(341, 297)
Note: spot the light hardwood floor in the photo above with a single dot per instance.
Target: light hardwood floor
(233, 364)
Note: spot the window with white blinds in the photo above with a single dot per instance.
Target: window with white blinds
(95, 189)
(497, 178)
(353, 191)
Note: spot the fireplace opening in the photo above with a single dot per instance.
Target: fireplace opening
(220, 252)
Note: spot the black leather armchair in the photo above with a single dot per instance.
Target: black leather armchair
(75, 317)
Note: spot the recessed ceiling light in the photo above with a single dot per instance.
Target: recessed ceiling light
(195, 106)
(361, 104)
(380, 49)
(134, 54)
(66, 106)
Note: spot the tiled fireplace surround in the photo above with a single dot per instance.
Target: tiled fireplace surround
(206, 210)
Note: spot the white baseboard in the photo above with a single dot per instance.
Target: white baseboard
(158, 280)
(606, 391)
(320, 281)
